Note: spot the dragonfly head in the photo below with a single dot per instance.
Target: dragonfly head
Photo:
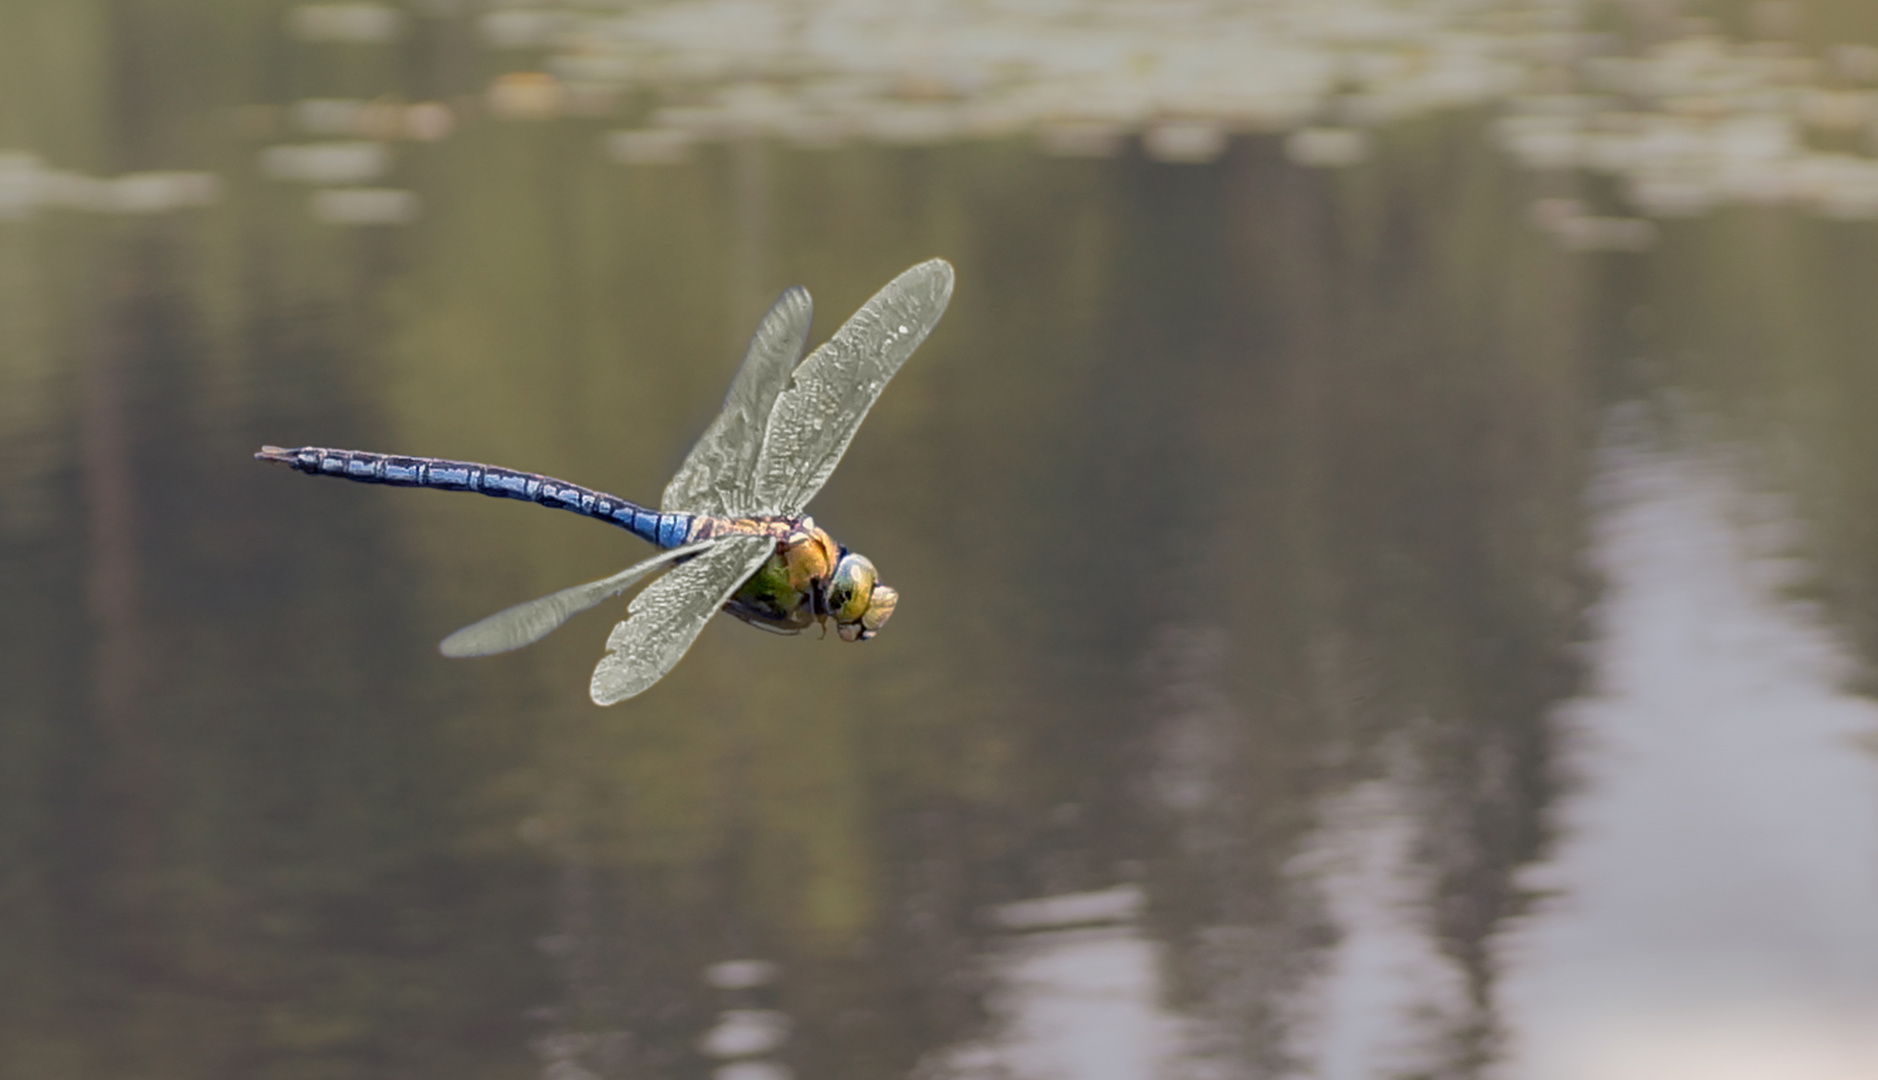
(857, 599)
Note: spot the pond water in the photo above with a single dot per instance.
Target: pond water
(1387, 532)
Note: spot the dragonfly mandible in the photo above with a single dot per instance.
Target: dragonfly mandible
(731, 523)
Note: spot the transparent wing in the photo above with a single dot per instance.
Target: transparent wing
(715, 478)
(828, 396)
(663, 620)
(525, 624)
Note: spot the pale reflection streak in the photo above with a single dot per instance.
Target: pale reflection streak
(1385, 1002)
(1716, 878)
(1077, 997)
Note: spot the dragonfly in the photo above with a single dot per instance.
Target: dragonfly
(731, 525)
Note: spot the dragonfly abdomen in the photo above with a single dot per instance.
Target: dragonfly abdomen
(365, 467)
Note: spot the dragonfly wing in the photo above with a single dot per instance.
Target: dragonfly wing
(664, 619)
(525, 624)
(829, 395)
(715, 478)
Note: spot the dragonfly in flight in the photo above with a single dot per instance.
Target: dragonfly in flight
(731, 523)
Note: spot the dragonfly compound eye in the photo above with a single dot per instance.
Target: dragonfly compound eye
(850, 588)
(879, 608)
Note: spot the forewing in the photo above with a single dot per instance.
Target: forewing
(667, 616)
(829, 395)
(525, 624)
(715, 477)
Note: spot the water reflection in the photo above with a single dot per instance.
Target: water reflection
(1708, 909)
(1076, 990)
(1387, 1000)
(1240, 511)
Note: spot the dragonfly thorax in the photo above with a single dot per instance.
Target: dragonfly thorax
(809, 578)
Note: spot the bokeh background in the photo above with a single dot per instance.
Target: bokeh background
(1387, 529)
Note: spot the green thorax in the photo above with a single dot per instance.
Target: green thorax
(785, 592)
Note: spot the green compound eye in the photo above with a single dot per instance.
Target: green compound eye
(850, 589)
(879, 609)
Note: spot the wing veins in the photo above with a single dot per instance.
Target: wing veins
(716, 475)
(815, 418)
(667, 616)
(532, 620)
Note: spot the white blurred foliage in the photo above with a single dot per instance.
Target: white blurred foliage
(740, 974)
(752, 1070)
(1191, 141)
(528, 95)
(745, 1033)
(355, 22)
(327, 163)
(424, 121)
(1686, 124)
(27, 186)
(1185, 77)
(1119, 904)
(365, 206)
(1327, 147)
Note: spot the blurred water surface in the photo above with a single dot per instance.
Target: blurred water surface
(1388, 531)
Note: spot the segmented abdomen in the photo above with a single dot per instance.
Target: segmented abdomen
(365, 467)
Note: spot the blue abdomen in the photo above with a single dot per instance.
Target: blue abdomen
(665, 530)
